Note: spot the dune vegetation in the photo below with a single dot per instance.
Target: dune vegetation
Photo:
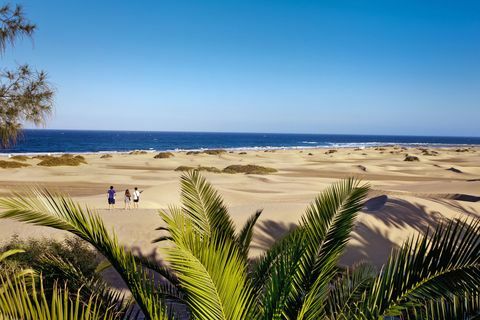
(163, 155)
(19, 158)
(411, 158)
(209, 274)
(63, 160)
(137, 152)
(198, 168)
(12, 164)
(249, 169)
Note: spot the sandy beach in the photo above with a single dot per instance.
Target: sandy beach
(405, 198)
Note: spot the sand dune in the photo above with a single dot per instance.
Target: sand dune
(406, 197)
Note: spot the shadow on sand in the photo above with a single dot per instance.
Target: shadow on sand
(369, 242)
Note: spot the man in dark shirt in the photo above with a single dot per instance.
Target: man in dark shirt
(111, 198)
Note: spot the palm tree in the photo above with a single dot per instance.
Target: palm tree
(209, 274)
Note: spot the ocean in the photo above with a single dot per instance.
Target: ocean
(85, 141)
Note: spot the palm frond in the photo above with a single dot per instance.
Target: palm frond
(213, 276)
(348, 290)
(279, 285)
(460, 307)
(55, 267)
(23, 298)
(45, 209)
(202, 203)
(428, 268)
(326, 226)
(262, 267)
(244, 237)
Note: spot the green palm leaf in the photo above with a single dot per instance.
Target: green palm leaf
(326, 227)
(463, 307)
(348, 290)
(279, 286)
(244, 237)
(428, 268)
(324, 230)
(23, 298)
(205, 207)
(213, 276)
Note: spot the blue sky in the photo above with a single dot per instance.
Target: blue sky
(368, 67)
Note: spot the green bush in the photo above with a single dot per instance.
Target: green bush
(199, 168)
(72, 249)
(249, 169)
(62, 161)
(163, 155)
(215, 152)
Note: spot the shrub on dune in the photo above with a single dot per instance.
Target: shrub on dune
(249, 169)
(42, 157)
(106, 156)
(163, 155)
(12, 164)
(199, 168)
(411, 158)
(19, 158)
(214, 152)
(137, 152)
(62, 161)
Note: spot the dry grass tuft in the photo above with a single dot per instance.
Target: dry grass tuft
(64, 160)
(19, 158)
(215, 152)
(249, 169)
(42, 157)
(12, 164)
(199, 168)
(163, 155)
(106, 156)
(411, 158)
(137, 152)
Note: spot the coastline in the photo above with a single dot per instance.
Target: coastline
(346, 146)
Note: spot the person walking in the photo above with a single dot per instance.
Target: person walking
(111, 198)
(136, 198)
(128, 198)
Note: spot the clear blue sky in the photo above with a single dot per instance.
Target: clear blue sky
(369, 67)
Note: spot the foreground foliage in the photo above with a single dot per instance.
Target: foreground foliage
(433, 276)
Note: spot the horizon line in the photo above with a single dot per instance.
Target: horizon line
(254, 132)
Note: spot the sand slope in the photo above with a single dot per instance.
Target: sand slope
(406, 197)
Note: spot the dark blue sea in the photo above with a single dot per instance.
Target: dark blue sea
(75, 141)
